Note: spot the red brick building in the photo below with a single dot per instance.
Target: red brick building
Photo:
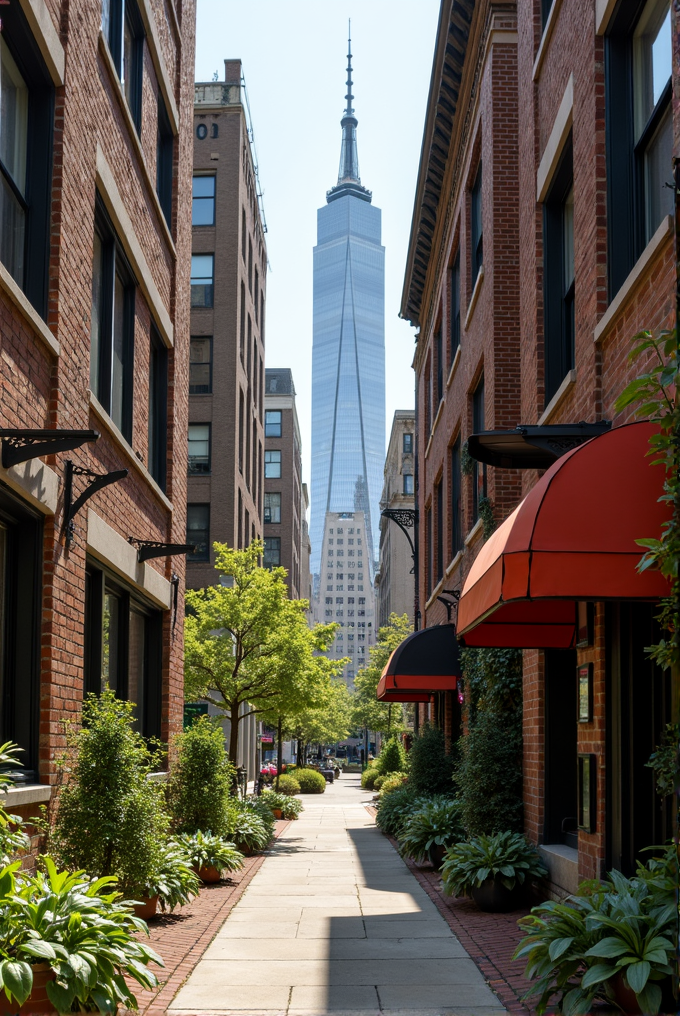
(95, 243)
(284, 505)
(542, 241)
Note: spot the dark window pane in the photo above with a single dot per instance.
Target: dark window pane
(456, 506)
(111, 641)
(477, 251)
(407, 445)
(198, 531)
(479, 469)
(272, 551)
(203, 201)
(272, 465)
(272, 508)
(158, 410)
(408, 483)
(199, 448)
(200, 368)
(202, 266)
(137, 664)
(455, 309)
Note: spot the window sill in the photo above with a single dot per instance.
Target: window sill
(27, 310)
(454, 368)
(475, 295)
(435, 592)
(558, 398)
(545, 39)
(663, 234)
(127, 449)
(29, 793)
(474, 532)
(429, 445)
(440, 410)
(454, 564)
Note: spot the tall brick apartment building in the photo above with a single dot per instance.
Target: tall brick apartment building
(542, 241)
(284, 508)
(228, 288)
(395, 580)
(95, 168)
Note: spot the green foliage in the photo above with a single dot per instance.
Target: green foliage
(290, 807)
(435, 824)
(395, 808)
(506, 856)
(492, 682)
(390, 782)
(664, 761)
(248, 830)
(327, 721)
(174, 881)
(201, 778)
(259, 807)
(392, 758)
(80, 927)
(111, 818)
(489, 777)
(203, 850)
(12, 840)
(384, 717)
(487, 516)
(286, 784)
(369, 776)
(430, 767)
(310, 780)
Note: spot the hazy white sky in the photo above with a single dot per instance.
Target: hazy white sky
(294, 62)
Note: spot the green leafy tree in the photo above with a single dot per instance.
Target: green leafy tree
(201, 778)
(430, 764)
(248, 647)
(392, 758)
(384, 717)
(324, 723)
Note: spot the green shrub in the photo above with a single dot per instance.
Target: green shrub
(203, 850)
(311, 781)
(369, 776)
(174, 880)
(395, 808)
(260, 808)
(201, 778)
(392, 758)
(435, 824)
(489, 777)
(289, 807)
(430, 767)
(286, 784)
(111, 818)
(389, 782)
(507, 856)
(248, 831)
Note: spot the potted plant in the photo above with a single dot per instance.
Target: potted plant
(209, 855)
(281, 805)
(493, 870)
(430, 830)
(174, 883)
(248, 831)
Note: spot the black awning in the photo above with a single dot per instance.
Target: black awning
(531, 447)
(425, 662)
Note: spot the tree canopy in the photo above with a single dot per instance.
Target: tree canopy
(248, 647)
(326, 722)
(384, 717)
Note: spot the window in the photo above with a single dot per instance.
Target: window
(198, 531)
(123, 648)
(203, 201)
(545, 11)
(454, 329)
(25, 158)
(272, 551)
(456, 510)
(428, 396)
(558, 275)
(272, 423)
(256, 297)
(244, 234)
(272, 465)
(408, 483)
(428, 551)
(200, 366)
(479, 468)
(165, 152)
(439, 503)
(250, 265)
(199, 448)
(638, 62)
(158, 409)
(112, 326)
(440, 364)
(122, 27)
(202, 273)
(407, 444)
(476, 229)
(241, 426)
(242, 336)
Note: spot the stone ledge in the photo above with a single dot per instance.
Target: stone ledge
(31, 793)
(562, 864)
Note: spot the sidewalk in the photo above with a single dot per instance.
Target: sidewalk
(334, 921)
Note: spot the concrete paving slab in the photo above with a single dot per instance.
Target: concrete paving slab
(378, 928)
(198, 995)
(312, 927)
(345, 999)
(429, 996)
(264, 931)
(406, 949)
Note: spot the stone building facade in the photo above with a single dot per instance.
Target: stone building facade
(95, 247)
(283, 494)
(394, 582)
(228, 297)
(542, 242)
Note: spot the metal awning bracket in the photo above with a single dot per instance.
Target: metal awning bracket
(20, 445)
(147, 549)
(99, 481)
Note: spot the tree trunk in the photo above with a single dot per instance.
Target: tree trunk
(233, 733)
(279, 753)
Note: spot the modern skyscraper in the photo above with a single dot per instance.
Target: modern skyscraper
(348, 358)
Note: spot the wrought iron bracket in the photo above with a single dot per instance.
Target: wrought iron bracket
(406, 519)
(147, 549)
(99, 481)
(22, 445)
(449, 604)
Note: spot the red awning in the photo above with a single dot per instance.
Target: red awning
(425, 662)
(572, 538)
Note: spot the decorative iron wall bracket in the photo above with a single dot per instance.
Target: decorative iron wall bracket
(147, 549)
(406, 519)
(22, 445)
(99, 481)
(449, 604)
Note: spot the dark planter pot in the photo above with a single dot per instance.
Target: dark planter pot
(38, 1000)
(436, 855)
(624, 996)
(208, 874)
(146, 908)
(493, 897)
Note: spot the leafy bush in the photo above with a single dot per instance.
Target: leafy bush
(203, 850)
(111, 819)
(82, 929)
(12, 840)
(248, 830)
(507, 856)
(174, 880)
(435, 824)
(392, 758)
(201, 778)
(310, 780)
(369, 776)
(287, 785)
(395, 808)
(390, 782)
(430, 768)
(261, 809)
(290, 807)
(489, 777)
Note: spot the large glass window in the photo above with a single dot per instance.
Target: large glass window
(272, 465)
(653, 126)
(203, 201)
(408, 483)
(476, 231)
(454, 323)
(558, 276)
(158, 409)
(13, 157)
(272, 507)
(112, 326)
(202, 275)
(439, 506)
(122, 26)
(200, 366)
(272, 551)
(198, 531)
(165, 151)
(272, 423)
(199, 448)
(479, 468)
(456, 500)
(439, 356)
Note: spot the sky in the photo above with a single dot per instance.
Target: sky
(294, 57)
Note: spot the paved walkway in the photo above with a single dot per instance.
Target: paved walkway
(335, 922)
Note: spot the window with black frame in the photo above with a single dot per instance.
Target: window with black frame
(272, 423)
(454, 329)
(439, 354)
(272, 551)
(456, 500)
(479, 468)
(202, 280)
(123, 30)
(428, 550)
(203, 201)
(198, 531)
(158, 409)
(407, 483)
(25, 158)
(272, 508)
(165, 151)
(476, 227)
(439, 505)
(112, 325)
(407, 444)
(639, 130)
(558, 275)
(199, 449)
(200, 365)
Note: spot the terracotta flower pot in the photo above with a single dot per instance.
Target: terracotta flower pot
(38, 1000)
(277, 813)
(493, 897)
(146, 908)
(208, 874)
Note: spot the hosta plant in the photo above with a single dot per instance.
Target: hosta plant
(174, 882)
(436, 824)
(203, 850)
(290, 807)
(506, 857)
(396, 807)
(248, 831)
(13, 840)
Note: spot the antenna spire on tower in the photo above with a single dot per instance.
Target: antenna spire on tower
(349, 110)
